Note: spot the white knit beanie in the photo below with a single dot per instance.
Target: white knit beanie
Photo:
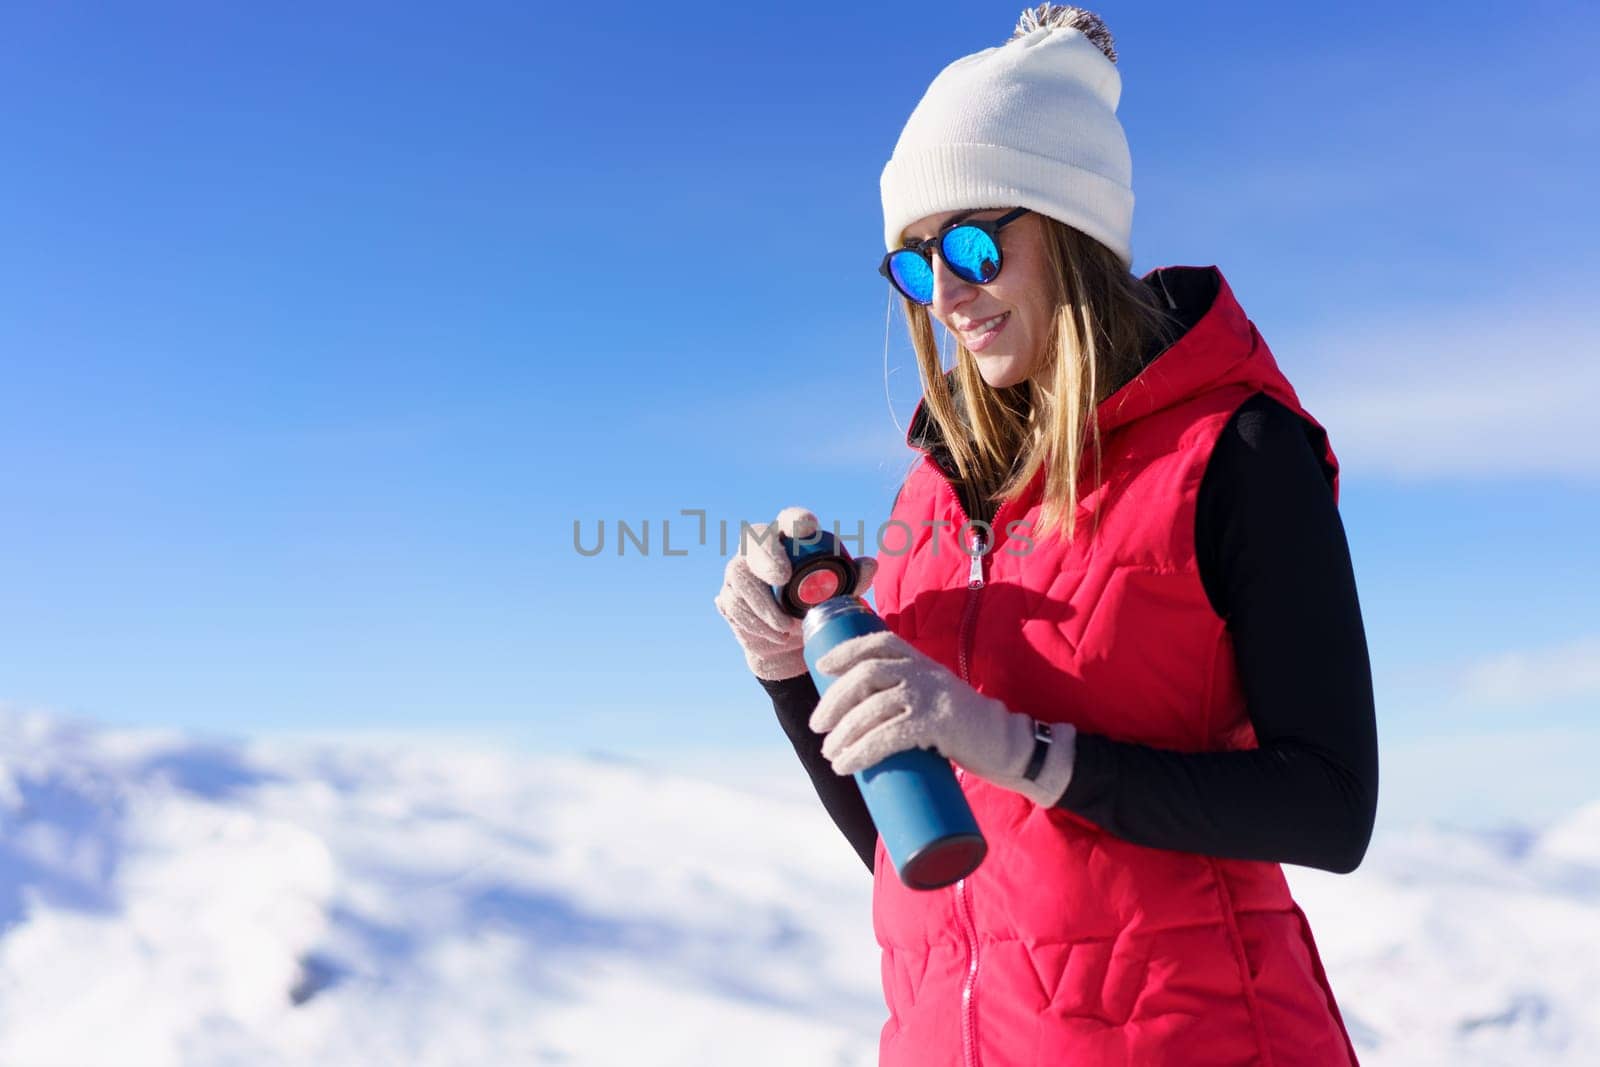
(1030, 123)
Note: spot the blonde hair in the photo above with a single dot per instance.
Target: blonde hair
(1104, 319)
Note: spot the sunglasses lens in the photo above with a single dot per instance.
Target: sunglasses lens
(971, 254)
(913, 274)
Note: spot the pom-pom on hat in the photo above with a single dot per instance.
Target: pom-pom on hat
(1030, 123)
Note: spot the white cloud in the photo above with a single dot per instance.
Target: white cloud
(374, 900)
(1534, 675)
(384, 900)
(1487, 777)
(1459, 391)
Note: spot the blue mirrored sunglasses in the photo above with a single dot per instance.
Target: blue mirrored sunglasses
(970, 249)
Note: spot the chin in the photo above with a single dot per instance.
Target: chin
(1000, 371)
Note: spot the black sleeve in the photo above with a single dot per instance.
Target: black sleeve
(1276, 565)
(794, 699)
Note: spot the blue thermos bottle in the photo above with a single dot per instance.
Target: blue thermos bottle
(927, 827)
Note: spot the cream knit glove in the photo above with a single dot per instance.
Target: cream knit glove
(888, 697)
(770, 637)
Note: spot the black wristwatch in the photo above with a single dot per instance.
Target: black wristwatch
(1041, 745)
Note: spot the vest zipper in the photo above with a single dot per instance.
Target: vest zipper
(969, 931)
(969, 927)
(969, 987)
(964, 914)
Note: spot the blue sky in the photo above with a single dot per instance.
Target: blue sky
(322, 327)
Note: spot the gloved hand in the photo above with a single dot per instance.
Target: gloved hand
(888, 696)
(771, 637)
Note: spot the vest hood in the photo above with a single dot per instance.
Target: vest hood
(1217, 346)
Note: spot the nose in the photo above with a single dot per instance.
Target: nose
(949, 291)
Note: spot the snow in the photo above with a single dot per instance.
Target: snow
(171, 899)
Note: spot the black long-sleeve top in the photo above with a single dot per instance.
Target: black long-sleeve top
(1276, 566)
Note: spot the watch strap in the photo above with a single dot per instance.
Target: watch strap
(1041, 746)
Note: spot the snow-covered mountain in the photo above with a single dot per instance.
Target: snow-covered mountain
(167, 899)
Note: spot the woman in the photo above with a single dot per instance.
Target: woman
(1119, 599)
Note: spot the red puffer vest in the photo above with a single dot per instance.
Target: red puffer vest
(1068, 944)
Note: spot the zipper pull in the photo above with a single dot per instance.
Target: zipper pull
(975, 573)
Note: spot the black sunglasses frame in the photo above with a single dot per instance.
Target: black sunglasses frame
(926, 248)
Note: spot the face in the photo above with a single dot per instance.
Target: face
(1022, 294)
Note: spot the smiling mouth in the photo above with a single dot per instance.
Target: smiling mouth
(980, 340)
